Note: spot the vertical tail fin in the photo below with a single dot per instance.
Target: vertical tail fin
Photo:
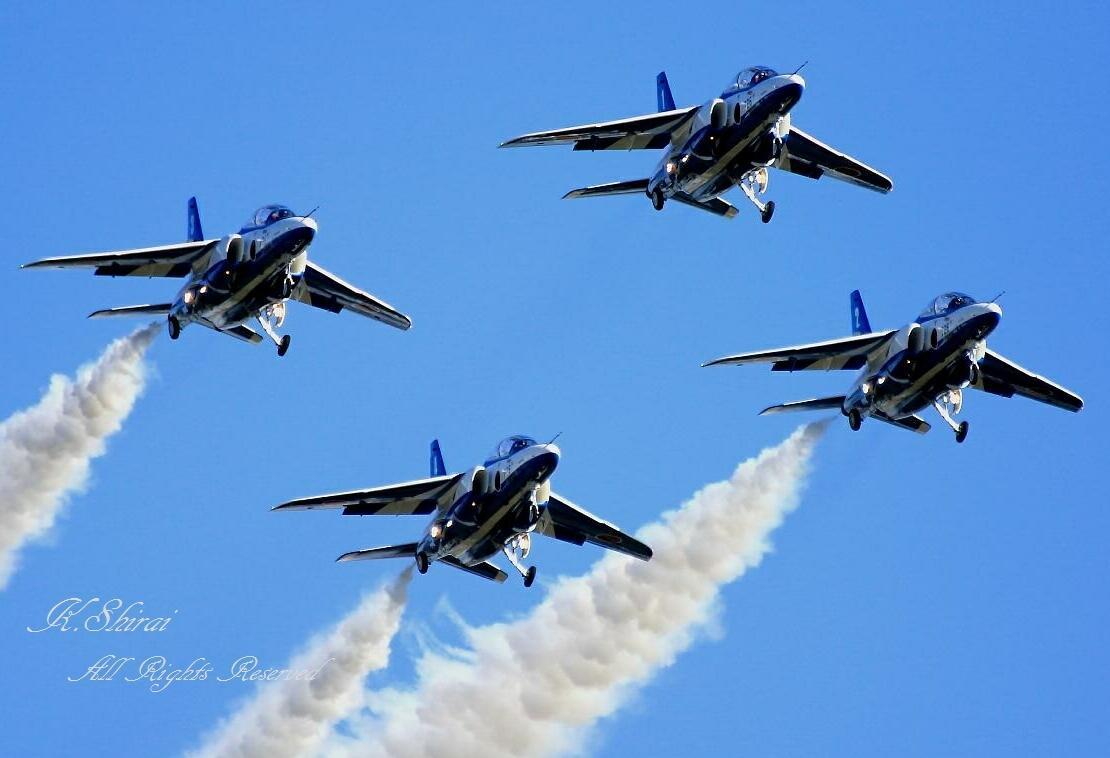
(663, 92)
(436, 461)
(193, 230)
(860, 322)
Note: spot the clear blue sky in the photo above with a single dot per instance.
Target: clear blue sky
(926, 598)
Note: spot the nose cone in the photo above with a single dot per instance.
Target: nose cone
(788, 91)
(308, 225)
(988, 317)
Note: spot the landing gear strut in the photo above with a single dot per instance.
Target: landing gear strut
(422, 562)
(174, 327)
(754, 183)
(516, 549)
(855, 421)
(268, 318)
(949, 404)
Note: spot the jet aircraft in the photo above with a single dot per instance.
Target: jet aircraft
(250, 274)
(477, 513)
(730, 140)
(930, 361)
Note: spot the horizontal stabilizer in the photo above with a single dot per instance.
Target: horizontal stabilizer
(816, 404)
(482, 569)
(912, 423)
(407, 550)
(244, 333)
(156, 309)
(714, 205)
(633, 187)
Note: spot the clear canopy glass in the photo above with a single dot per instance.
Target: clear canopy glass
(947, 303)
(268, 214)
(510, 445)
(753, 75)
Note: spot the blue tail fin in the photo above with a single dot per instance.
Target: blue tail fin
(436, 462)
(860, 322)
(194, 232)
(663, 92)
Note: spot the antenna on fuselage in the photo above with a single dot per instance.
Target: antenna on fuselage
(799, 68)
(554, 438)
(309, 214)
(1000, 294)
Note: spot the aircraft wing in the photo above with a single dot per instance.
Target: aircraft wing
(808, 156)
(323, 289)
(423, 496)
(1001, 376)
(168, 260)
(565, 521)
(715, 205)
(847, 353)
(650, 132)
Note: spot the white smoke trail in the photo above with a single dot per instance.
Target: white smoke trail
(45, 450)
(531, 687)
(295, 717)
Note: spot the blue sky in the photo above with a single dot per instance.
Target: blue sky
(926, 598)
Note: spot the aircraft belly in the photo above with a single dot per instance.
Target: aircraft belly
(717, 177)
(927, 383)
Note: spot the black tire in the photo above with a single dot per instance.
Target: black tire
(855, 421)
(174, 327)
(961, 431)
(283, 346)
(422, 563)
(657, 199)
(530, 576)
(768, 211)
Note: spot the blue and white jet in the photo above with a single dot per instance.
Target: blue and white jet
(229, 281)
(495, 507)
(928, 362)
(730, 140)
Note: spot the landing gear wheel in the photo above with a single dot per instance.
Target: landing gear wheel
(530, 576)
(174, 326)
(961, 431)
(422, 563)
(657, 199)
(854, 420)
(768, 211)
(283, 348)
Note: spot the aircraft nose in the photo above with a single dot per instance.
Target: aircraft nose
(310, 224)
(988, 317)
(789, 91)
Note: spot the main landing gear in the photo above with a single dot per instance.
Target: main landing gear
(855, 420)
(274, 316)
(754, 183)
(657, 199)
(516, 549)
(422, 562)
(174, 327)
(948, 405)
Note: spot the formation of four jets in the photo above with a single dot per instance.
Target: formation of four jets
(732, 140)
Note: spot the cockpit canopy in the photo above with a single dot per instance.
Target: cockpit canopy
(947, 303)
(750, 76)
(510, 445)
(268, 214)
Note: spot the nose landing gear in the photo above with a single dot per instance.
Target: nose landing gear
(516, 548)
(754, 183)
(948, 405)
(274, 316)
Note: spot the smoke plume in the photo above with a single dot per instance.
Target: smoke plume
(533, 686)
(295, 717)
(45, 450)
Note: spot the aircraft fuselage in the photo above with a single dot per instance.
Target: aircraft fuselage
(741, 130)
(924, 360)
(491, 505)
(251, 270)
